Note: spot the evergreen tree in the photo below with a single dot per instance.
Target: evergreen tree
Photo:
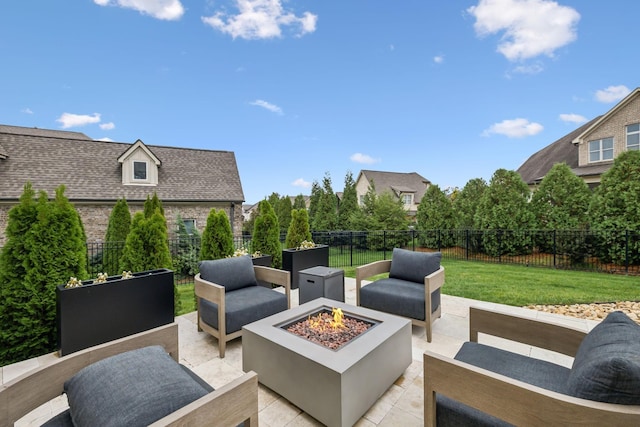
(284, 213)
(299, 202)
(466, 202)
(314, 201)
(217, 238)
(56, 252)
(116, 235)
(390, 216)
(133, 253)
(363, 219)
(504, 207)
(151, 204)
(348, 204)
(298, 229)
(326, 214)
(16, 312)
(266, 234)
(435, 219)
(185, 262)
(615, 209)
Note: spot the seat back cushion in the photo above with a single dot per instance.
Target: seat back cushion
(232, 273)
(135, 388)
(413, 266)
(607, 365)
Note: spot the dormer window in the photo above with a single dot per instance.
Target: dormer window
(140, 171)
(407, 199)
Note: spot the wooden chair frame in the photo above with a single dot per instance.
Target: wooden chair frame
(432, 282)
(231, 404)
(215, 293)
(514, 401)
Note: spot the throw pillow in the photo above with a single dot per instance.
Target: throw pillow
(135, 388)
(413, 266)
(607, 365)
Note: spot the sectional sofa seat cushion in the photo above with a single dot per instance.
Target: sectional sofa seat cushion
(233, 273)
(607, 365)
(413, 266)
(264, 302)
(398, 296)
(135, 388)
(523, 368)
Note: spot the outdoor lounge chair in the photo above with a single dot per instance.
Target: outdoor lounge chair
(229, 296)
(412, 289)
(131, 381)
(488, 386)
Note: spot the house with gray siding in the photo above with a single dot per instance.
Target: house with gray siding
(406, 186)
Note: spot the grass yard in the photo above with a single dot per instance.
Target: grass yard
(514, 285)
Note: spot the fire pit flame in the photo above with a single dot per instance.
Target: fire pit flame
(322, 323)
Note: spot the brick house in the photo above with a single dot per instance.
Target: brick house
(590, 150)
(408, 187)
(97, 173)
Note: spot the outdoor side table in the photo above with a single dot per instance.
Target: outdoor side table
(320, 281)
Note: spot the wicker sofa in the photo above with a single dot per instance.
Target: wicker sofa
(132, 381)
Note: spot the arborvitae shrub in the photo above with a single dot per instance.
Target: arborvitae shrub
(298, 229)
(217, 237)
(117, 231)
(266, 234)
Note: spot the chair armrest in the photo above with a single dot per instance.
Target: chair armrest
(538, 333)
(229, 405)
(514, 401)
(434, 281)
(276, 276)
(208, 290)
(368, 270)
(22, 395)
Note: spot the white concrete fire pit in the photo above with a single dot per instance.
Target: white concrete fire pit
(334, 386)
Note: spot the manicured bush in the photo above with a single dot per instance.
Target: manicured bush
(298, 229)
(117, 231)
(217, 237)
(266, 234)
(435, 219)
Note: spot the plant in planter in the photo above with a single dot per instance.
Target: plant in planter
(93, 312)
(302, 253)
(266, 234)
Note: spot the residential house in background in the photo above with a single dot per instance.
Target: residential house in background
(97, 173)
(408, 187)
(590, 150)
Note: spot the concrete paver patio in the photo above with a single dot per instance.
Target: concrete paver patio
(401, 405)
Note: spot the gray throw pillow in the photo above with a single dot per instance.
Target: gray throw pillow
(135, 388)
(232, 273)
(413, 266)
(607, 365)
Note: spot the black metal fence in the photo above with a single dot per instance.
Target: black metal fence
(609, 251)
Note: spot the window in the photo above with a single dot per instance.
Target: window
(361, 200)
(601, 149)
(633, 137)
(140, 171)
(190, 225)
(407, 199)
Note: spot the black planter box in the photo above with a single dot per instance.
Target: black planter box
(294, 260)
(93, 314)
(264, 261)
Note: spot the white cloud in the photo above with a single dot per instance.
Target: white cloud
(530, 27)
(529, 69)
(27, 110)
(268, 106)
(301, 183)
(107, 126)
(515, 128)
(612, 94)
(261, 19)
(169, 10)
(105, 139)
(69, 120)
(363, 158)
(438, 59)
(573, 118)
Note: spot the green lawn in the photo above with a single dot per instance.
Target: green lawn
(515, 285)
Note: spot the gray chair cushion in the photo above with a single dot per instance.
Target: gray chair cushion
(530, 370)
(232, 273)
(399, 297)
(244, 306)
(607, 365)
(135, 388)
(413, 266)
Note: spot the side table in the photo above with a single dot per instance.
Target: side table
(320, 281)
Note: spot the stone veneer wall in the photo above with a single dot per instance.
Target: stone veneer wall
(95, 218)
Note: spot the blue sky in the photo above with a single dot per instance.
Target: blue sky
(452, 90)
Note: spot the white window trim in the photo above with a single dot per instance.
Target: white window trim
(133, 171)
(410, 199)
(600, 150)
(635, 132)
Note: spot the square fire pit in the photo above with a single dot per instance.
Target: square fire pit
(334, 386)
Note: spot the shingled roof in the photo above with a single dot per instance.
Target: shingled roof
(398, 182)
(90, 170)
(562, 150)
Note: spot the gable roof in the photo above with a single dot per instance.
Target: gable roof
(562, 150)
(397, 182)
(90, 170)
(139, 145)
